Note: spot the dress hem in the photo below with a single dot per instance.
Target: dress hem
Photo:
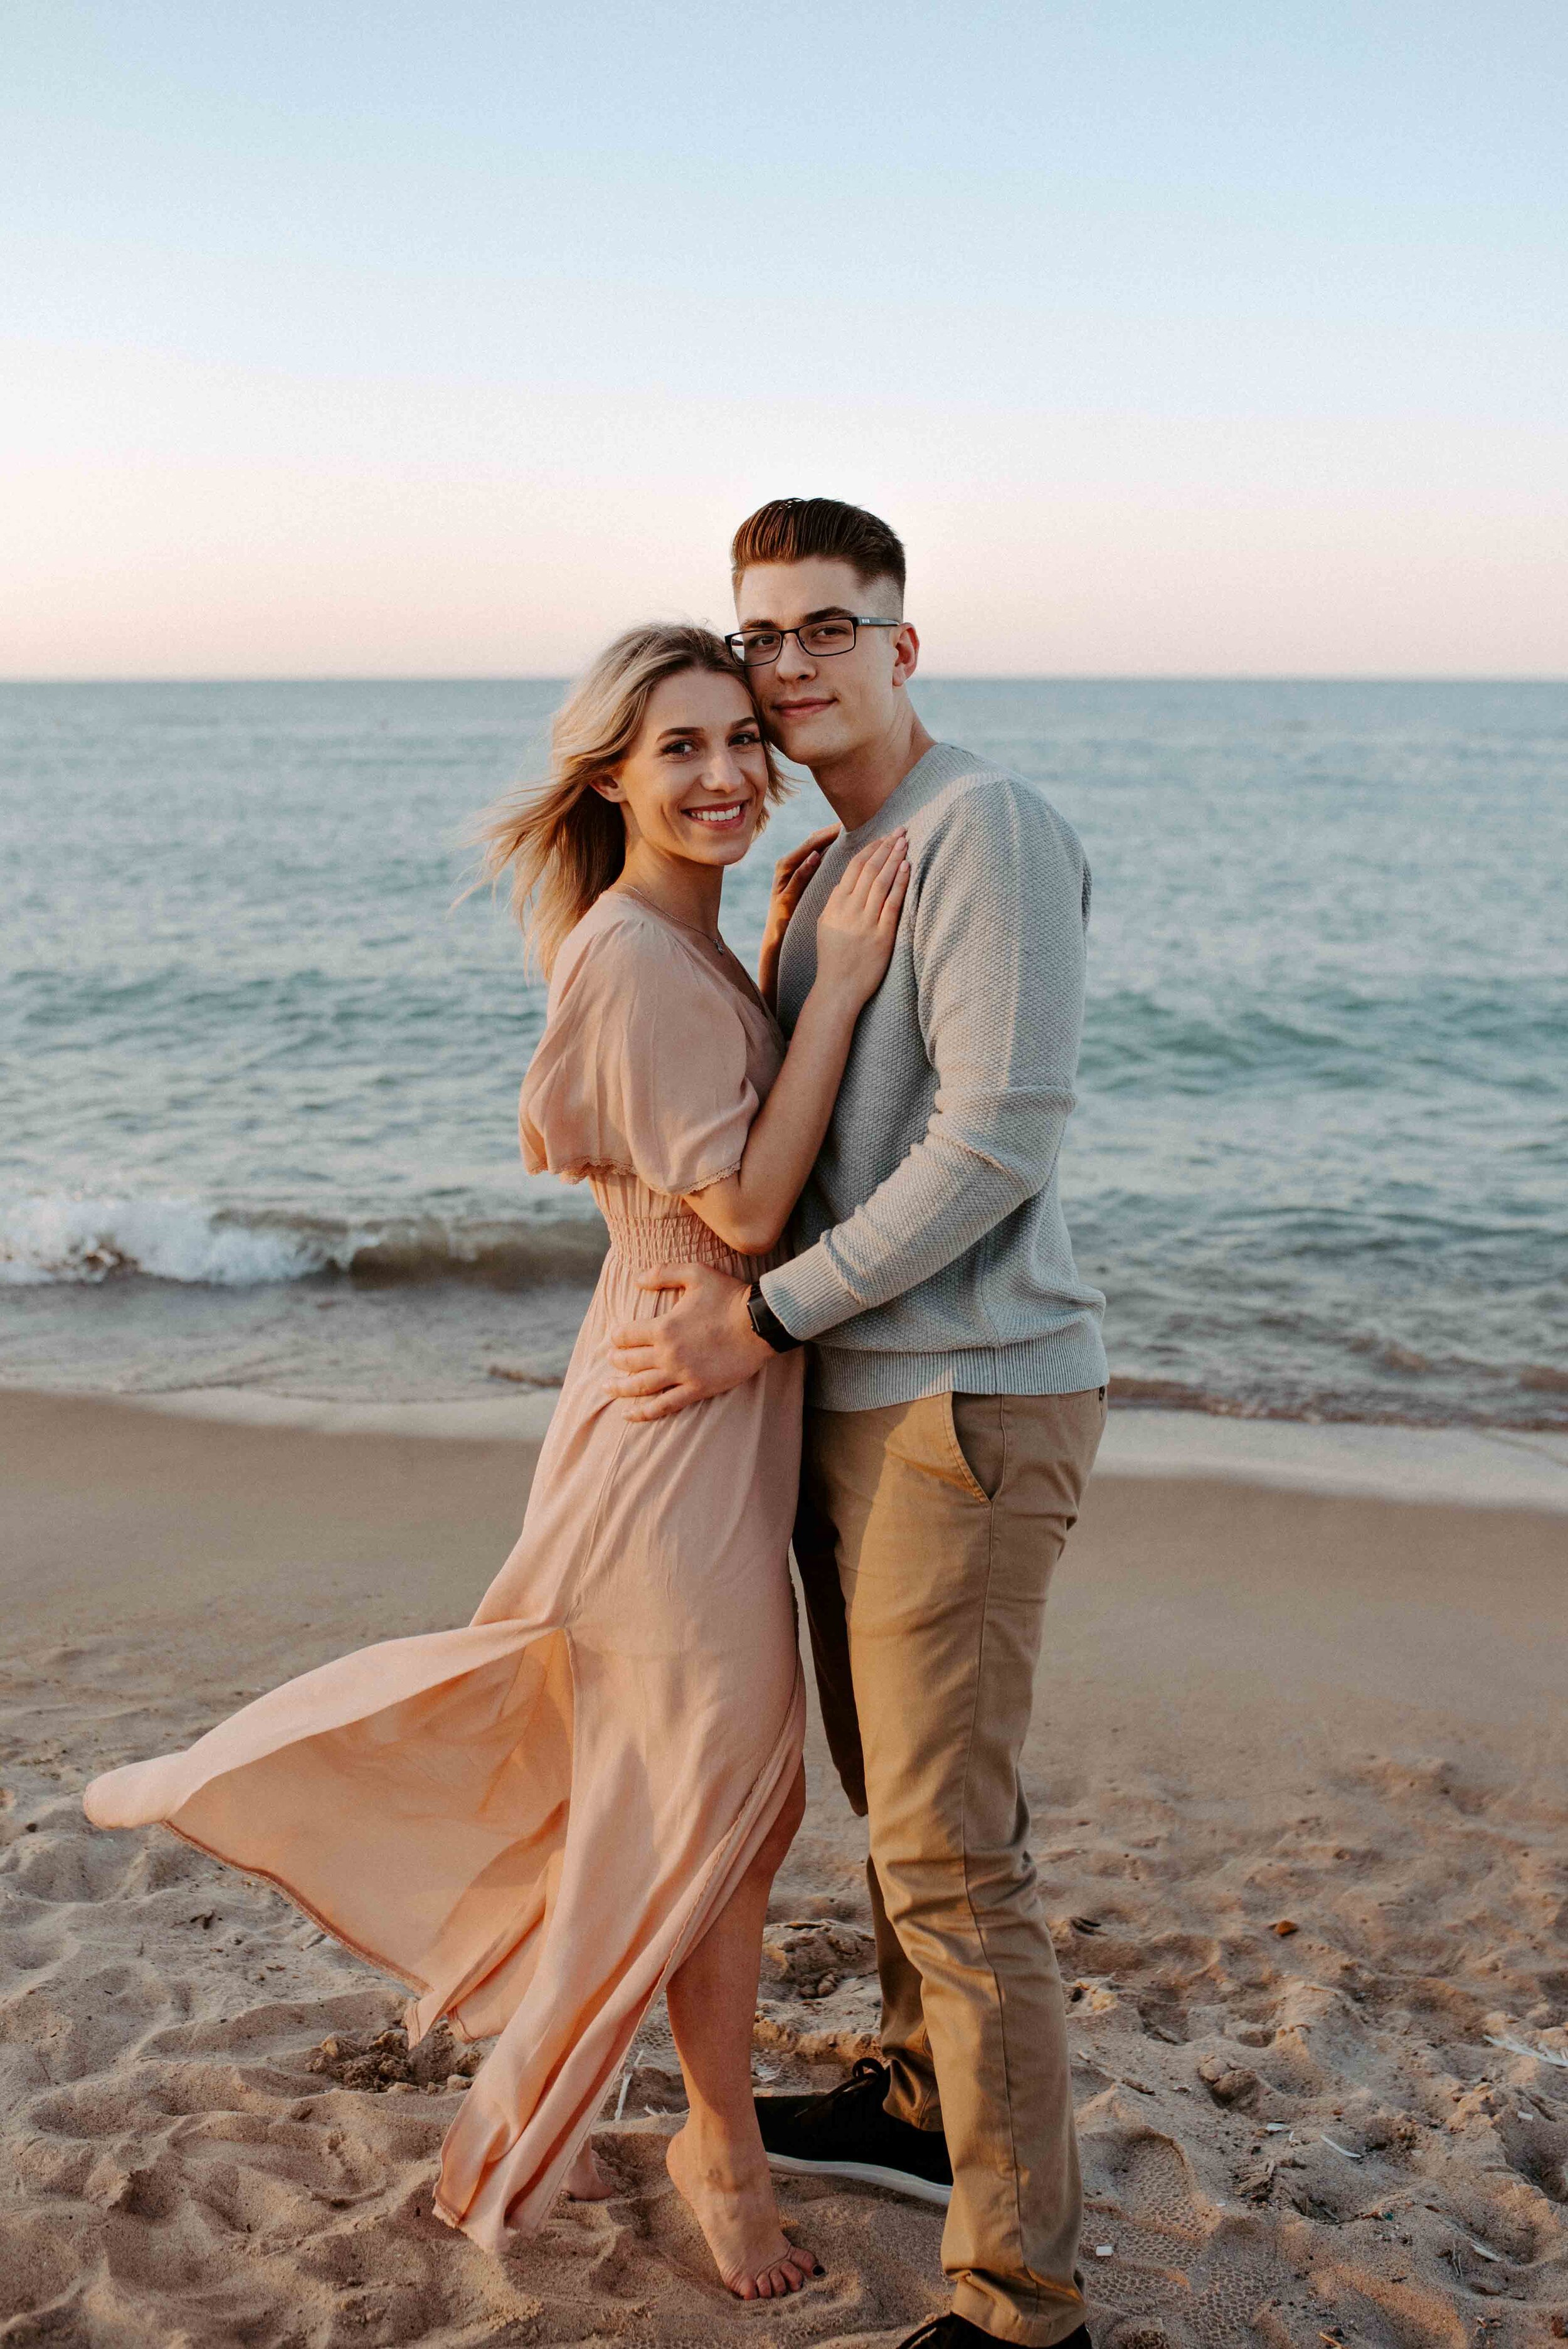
(335, 1934)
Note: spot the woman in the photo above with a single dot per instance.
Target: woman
(540, 1821)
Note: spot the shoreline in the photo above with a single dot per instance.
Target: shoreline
(1470, 1467)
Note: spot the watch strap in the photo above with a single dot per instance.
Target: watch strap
(766, 1322)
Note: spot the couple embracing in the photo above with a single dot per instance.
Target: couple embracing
(540, 1820)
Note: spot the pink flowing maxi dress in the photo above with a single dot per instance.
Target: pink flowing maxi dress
(531, 1820)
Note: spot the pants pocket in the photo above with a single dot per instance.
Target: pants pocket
(976, 1429)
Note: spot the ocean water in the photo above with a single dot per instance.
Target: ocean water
(260, 1074)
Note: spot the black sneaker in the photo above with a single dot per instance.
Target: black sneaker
(846, 2134)
(956, 2333)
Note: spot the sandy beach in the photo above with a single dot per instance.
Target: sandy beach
(1301, 1814)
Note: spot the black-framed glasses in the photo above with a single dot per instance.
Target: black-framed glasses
(818, 639)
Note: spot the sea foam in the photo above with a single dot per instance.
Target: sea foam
(62, 1238)
(58, 1236)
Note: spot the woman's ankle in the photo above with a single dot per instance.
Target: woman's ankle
(728, 2150)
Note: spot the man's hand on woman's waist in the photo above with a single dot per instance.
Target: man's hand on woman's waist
(703, 1346)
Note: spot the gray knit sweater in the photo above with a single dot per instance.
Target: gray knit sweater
(934, 1255)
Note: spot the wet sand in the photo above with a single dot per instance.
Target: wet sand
(1260, 1706)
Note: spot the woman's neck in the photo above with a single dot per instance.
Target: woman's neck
(687, 892)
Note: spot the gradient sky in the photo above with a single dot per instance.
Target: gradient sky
(1182, 339)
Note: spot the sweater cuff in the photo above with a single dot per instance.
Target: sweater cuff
(807, 1295)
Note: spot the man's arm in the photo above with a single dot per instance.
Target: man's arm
(999, 960)
(999, 957)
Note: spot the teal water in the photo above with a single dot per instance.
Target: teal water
(260, 1075)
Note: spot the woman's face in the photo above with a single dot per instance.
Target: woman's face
(694, 781)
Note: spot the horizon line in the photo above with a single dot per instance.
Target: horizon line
(997, 677)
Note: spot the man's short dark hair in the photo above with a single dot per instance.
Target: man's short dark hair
(793, 529)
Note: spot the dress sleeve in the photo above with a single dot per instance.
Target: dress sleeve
(642, 1067)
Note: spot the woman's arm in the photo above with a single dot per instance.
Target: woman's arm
(855, 933)
(790, 875)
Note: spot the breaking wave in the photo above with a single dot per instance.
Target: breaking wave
(84, 1240)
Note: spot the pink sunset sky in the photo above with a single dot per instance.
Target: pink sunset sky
(363, 342)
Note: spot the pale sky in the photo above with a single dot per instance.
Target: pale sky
(447, 339)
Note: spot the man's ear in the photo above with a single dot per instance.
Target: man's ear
(905, 653)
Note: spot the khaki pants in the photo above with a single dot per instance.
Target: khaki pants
(926, 1538)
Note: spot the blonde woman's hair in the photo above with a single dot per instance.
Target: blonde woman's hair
(562, 842)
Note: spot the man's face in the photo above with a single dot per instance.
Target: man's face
(821, 708)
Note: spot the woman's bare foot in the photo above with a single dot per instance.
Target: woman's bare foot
(734, 2207)
(586, 2180)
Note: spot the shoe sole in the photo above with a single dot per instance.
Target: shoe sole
(865, 2173)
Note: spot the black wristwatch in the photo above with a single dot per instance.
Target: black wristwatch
(766, 1322)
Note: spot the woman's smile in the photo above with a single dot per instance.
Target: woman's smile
(730, 817)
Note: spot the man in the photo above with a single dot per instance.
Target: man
(957, 1399)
